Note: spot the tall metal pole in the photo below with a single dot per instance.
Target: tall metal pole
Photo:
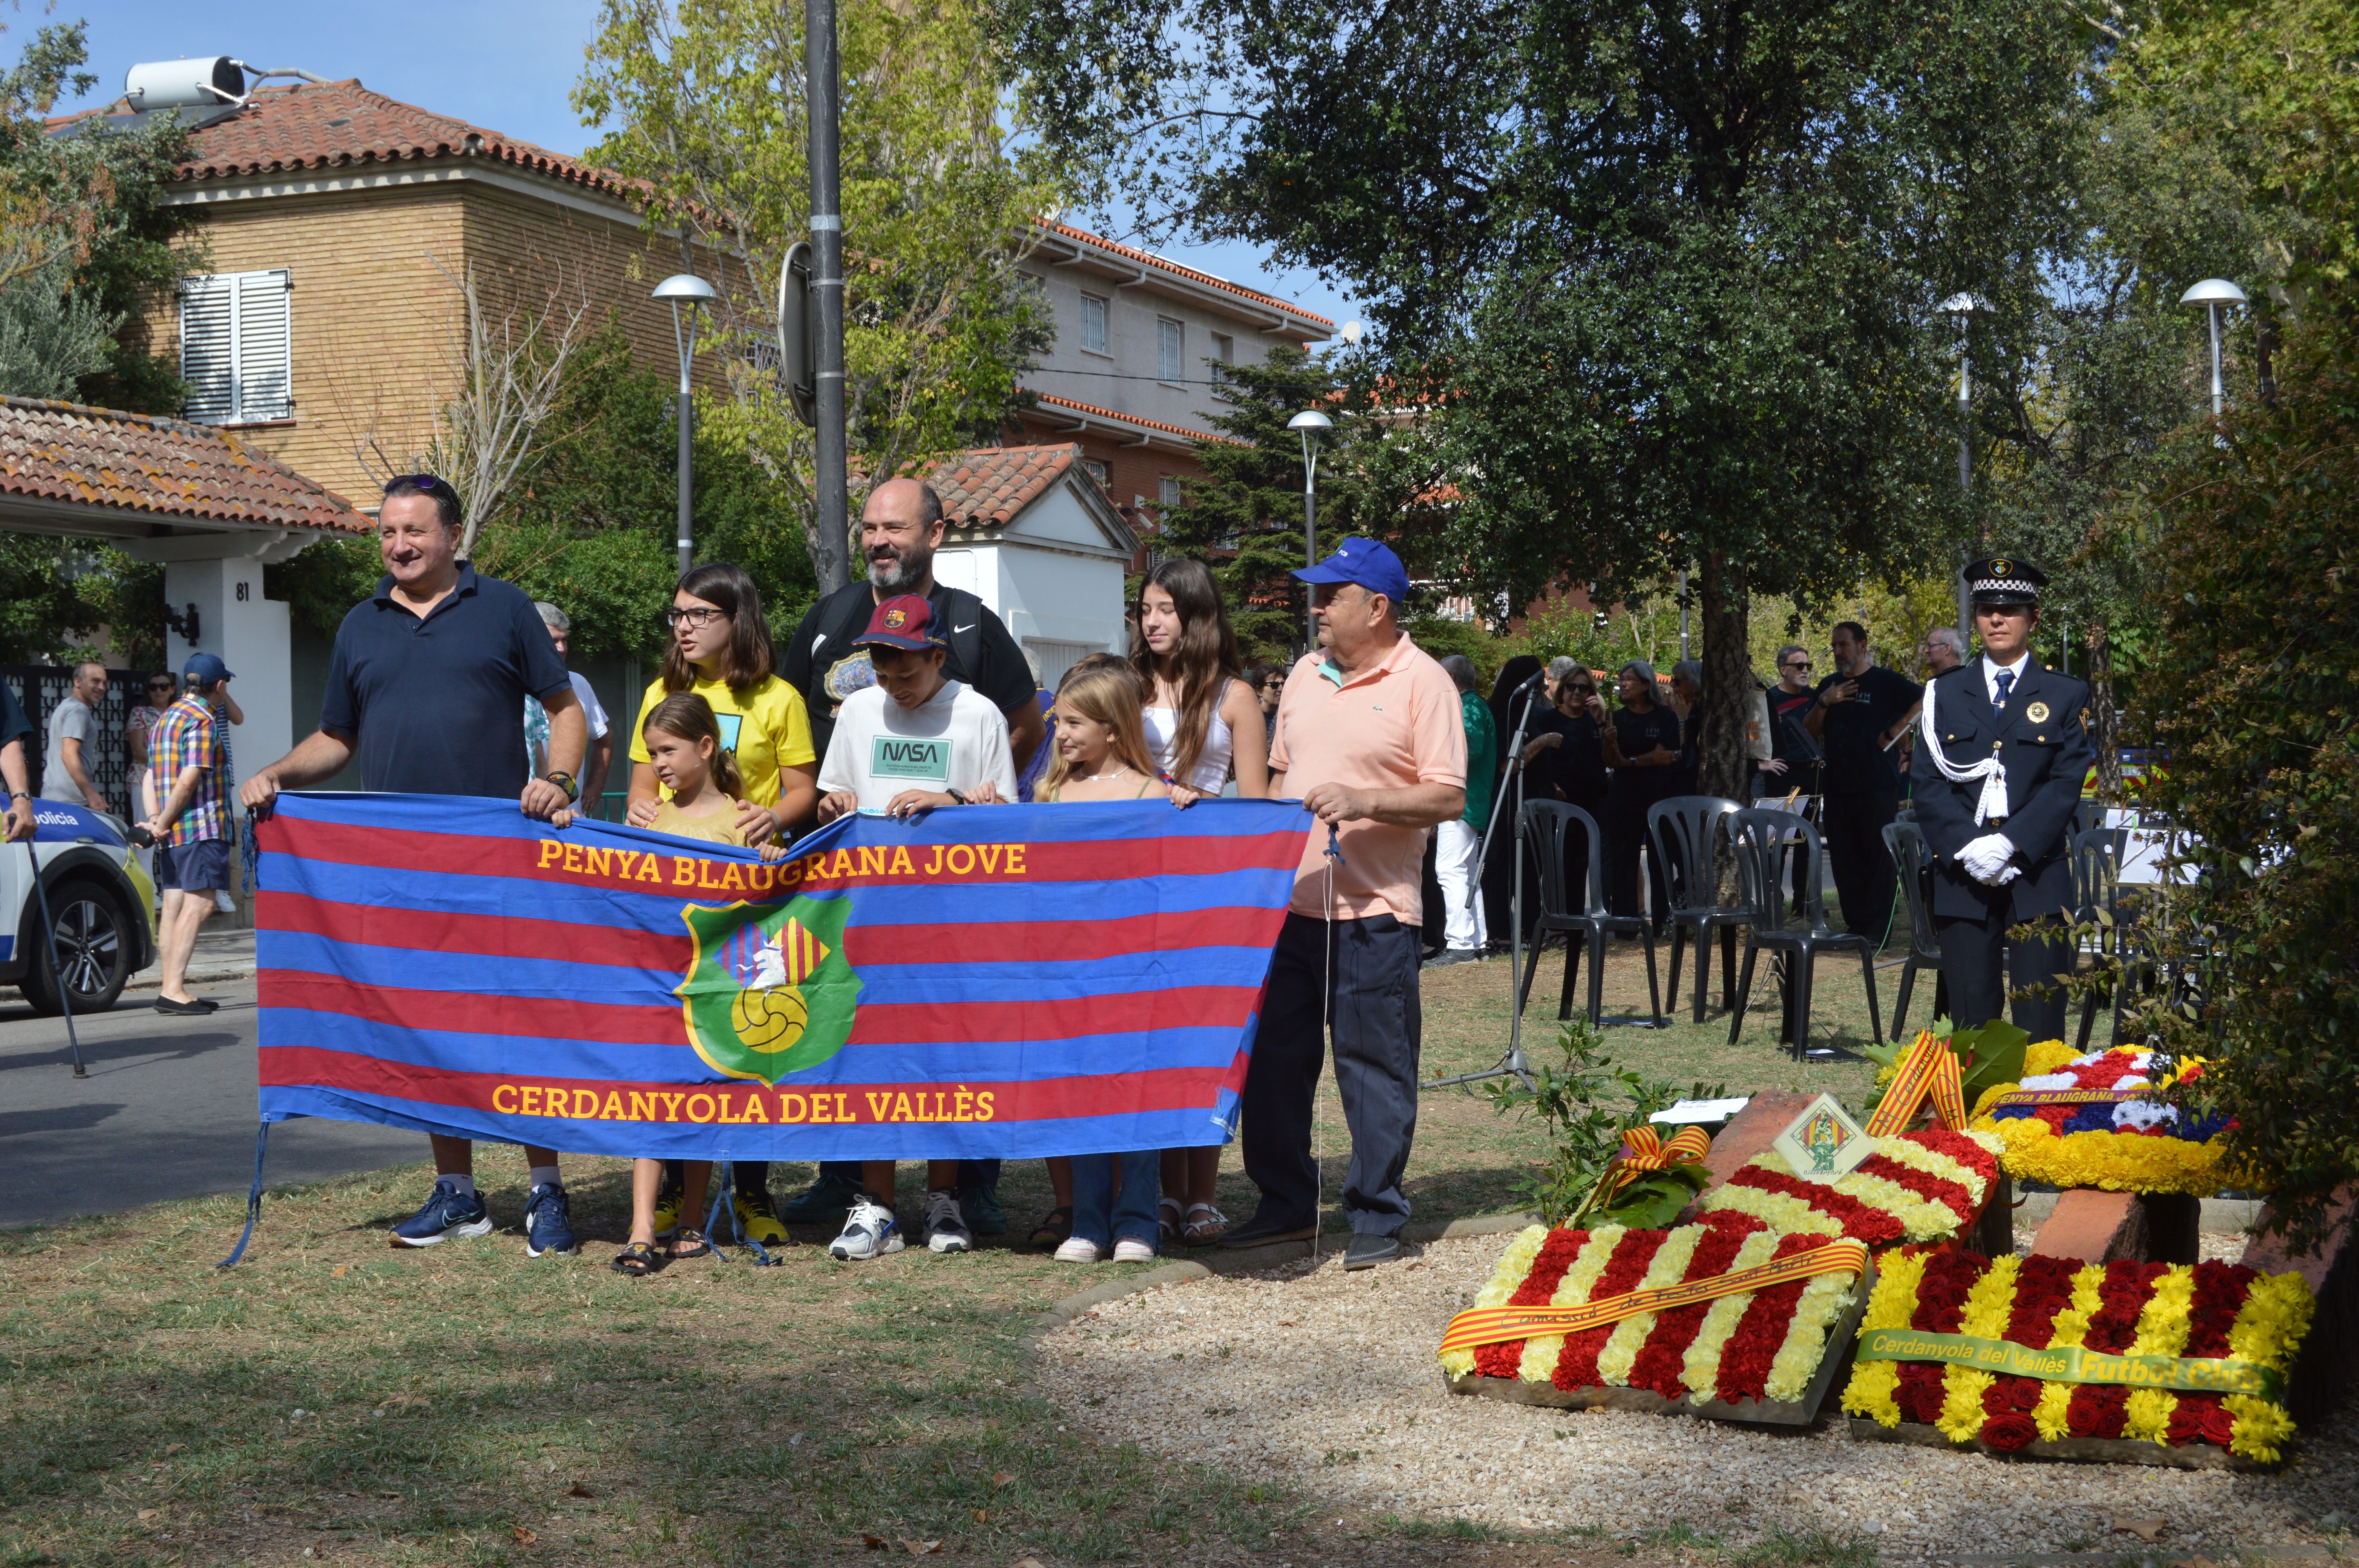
(2212, 312)
(1310, 542)
(684, 337)
(831, 496)
(1965, 474)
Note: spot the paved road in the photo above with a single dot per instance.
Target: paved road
(167, 1112)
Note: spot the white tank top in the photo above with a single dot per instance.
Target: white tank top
(1211, 764)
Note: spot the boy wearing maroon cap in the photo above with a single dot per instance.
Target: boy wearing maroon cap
(914, 742)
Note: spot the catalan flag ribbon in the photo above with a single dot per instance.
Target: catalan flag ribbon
(981, 981)
(1930, 1068)
(1643, 1149)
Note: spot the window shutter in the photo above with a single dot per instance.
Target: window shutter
(265, 380)
(206, 345)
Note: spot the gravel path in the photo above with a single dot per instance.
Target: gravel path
(1329, 1379)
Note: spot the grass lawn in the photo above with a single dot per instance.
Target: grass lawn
(331, 1398)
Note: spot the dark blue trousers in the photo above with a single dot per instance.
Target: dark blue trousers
(1371, 990)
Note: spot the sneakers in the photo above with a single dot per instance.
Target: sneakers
(667, 1197)
(1450, 956)
(222, 902)
(945, 1229)
(1075, 1249)
(983, 1214)
(447, 1214)
(548, 1226)
(869, 1231)
(1129, 1251)
(757, 1221)
(825, 1202)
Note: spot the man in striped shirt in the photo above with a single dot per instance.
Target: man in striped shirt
(192, 829)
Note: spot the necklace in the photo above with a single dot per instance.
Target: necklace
(1102, 778)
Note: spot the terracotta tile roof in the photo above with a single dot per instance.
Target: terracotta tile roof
(136, 462)
(1161, 264)
(1092, 409)
(342, 125)
(988, 486)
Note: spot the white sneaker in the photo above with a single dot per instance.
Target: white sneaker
(224, 902)
(1129, 1251)
(870, 1231)
(1075, 1249)
(945, 1228)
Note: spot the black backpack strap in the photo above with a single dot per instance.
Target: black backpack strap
(966, 612)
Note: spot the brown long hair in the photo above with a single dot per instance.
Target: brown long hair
(750, 660)
(1107, 693)
(1204, 661)
(688, 716)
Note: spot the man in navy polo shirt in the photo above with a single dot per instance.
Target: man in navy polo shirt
(426, 680)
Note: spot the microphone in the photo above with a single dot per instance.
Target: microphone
(1540, 679)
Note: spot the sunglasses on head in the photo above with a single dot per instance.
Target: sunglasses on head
(424, 481)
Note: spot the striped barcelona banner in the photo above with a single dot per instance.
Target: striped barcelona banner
(1004, 981)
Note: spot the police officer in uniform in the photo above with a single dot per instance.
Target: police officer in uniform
(2001, 754)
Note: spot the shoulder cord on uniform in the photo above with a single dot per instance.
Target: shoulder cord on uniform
(1991, 803)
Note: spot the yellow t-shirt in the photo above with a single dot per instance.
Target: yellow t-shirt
(767, 727)
(720, 828)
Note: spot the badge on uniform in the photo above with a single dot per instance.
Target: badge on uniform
(2037, 713)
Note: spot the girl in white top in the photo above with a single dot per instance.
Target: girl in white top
(1203, 722)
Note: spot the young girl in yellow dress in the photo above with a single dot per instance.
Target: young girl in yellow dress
(683, 739)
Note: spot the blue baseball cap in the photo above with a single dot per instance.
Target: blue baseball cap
(204, 669)
(1365, 561)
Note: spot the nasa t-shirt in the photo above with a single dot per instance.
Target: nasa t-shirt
(879, 748)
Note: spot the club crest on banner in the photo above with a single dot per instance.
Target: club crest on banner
(768, 992)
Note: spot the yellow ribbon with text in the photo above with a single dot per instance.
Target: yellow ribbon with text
(1929, 1068)
(2074, 1363)
(1495, 1326)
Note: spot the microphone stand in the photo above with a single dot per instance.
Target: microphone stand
(1512, 1065)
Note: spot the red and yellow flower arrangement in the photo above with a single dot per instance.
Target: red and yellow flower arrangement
(2101, 1121)
(1749, 1346)
(1925, 1185)
(2143, 1348)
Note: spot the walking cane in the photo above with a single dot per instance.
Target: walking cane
(50, 955)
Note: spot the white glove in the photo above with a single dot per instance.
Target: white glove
(1987, 859)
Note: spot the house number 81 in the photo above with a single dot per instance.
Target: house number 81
(241, 593)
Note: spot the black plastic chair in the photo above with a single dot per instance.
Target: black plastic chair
(2096, 901)
(1913, 861)
(1546, 823)
(1684, 830)
(1762, 839)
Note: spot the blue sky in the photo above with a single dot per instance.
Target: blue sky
(506, 64)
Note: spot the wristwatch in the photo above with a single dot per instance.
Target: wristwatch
(955, 796)
(565, 782)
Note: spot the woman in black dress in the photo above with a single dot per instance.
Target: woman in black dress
(1642, 748)
(1566, 755)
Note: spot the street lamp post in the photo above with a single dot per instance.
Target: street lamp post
(1962, 307)
(2214, 293)
(1309, 422)
(685, 288)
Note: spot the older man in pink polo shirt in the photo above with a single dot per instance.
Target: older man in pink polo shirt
(1369, 736)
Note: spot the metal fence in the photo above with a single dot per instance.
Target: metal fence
(41, 687)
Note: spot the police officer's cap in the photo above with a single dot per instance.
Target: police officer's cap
(2006, 580)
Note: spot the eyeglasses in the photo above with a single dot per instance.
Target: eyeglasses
(1798, 664)
(1581, 691)
(701, 616)
(161, 686)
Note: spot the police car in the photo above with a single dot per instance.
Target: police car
(101, 901)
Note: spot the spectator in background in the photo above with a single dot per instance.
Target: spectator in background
(1565, 760)
(1458, 839)
(1941, 651)
(600, 756)
(158, 689)
(1641, 748)
(428, 674)
(1859, 711)
(16, 730)
(192, 825)
(1687, 701)
(1794, 753)
(1510, 693)
(66, 774)
(900, 529)
(1371, 739)
(1028, 779)
(1268, 682)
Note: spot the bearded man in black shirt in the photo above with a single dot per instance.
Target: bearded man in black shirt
(1860, 708)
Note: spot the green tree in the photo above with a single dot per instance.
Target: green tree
(1669, 277)
(938, 212)
(1245, 515)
